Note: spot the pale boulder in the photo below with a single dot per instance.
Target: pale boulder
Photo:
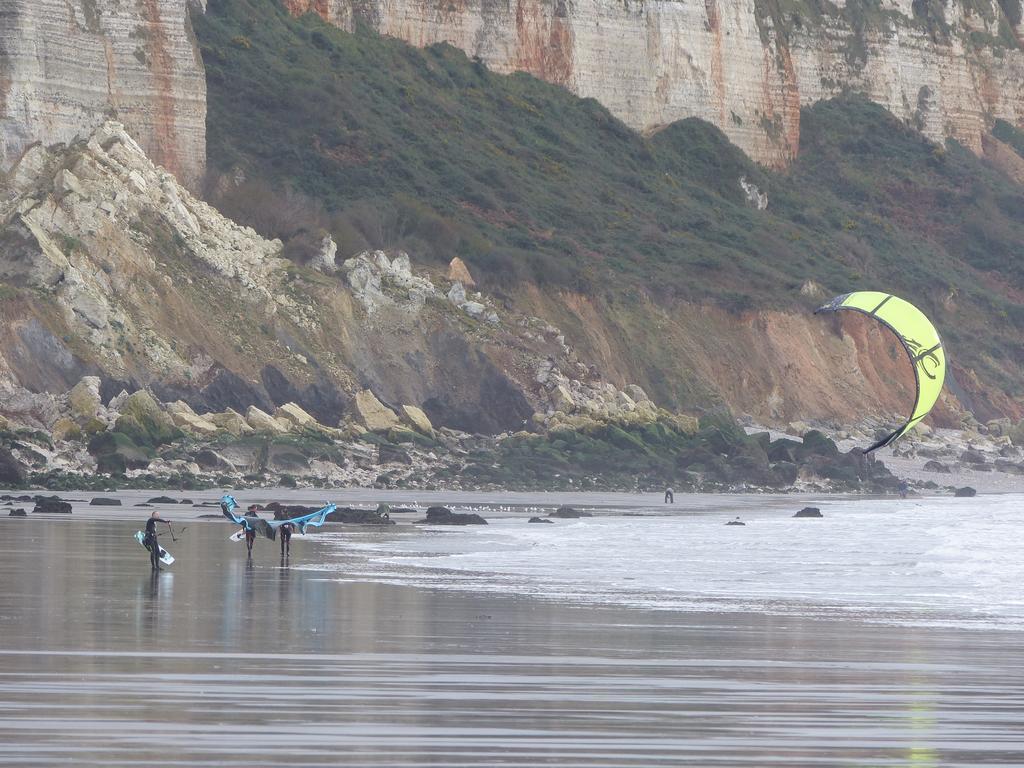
(562, 399)
(261, 421)
(458, 272)
(65, 429)
(636, 394)
(295, 414)
(84, 399)
(416, 418)
(372, 413)
(231, 422)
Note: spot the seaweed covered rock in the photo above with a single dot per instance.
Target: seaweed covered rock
(444, 516)
(354, 516)
(809, 512)
(101, 501)
(51, 505)
(11, 473)
(142, 419)
(568, 513)
(540, 520)
(117, 452)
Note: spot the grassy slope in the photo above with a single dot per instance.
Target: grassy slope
(427, 150)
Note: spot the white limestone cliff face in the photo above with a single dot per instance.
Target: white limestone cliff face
(729, 61)
(116, 245)
(67, 65)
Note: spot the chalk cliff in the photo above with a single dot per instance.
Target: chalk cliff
(66, 65)
(745, 65)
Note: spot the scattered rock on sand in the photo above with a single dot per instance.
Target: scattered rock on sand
(444, 516)
(965, 493)
(809, 512)
(51, 505)
(973, 457)
(100, 501)
(540, 520)
(569, 513)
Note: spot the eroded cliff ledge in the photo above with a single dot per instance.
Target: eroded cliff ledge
(745, 65)
(66, 65)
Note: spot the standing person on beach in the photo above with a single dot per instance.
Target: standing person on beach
(286, 539)
(669, 496)
(250, 531)
(150, 539)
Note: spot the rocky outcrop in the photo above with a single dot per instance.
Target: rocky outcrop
(746, 66)
(444, 516)
(67, 65)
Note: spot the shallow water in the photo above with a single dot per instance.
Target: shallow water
(417, 647)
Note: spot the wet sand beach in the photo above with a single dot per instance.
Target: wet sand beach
(331, 659)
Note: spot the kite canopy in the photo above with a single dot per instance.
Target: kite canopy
(919, 339)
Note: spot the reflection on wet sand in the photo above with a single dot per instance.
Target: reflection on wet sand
(237, 663)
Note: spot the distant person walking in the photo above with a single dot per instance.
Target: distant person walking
(250, 531)
(669, 496)
(286, 539)
(150, 539)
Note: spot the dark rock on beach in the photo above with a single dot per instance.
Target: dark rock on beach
(19, 512)
(11, 473)
(965, 493)
(101, 501)
(973, 457)
(737, 521)
(444, 516)
(936, 466)
(567, 513)
(541, 520)
(163, 500)
(809, 512)
(51, 505)
(354, 516)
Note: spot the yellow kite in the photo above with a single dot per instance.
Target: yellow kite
(919, 339)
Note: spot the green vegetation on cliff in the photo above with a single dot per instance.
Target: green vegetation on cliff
(385, 145)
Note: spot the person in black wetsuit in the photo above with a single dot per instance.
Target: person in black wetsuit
(286, 539)
(151, 542)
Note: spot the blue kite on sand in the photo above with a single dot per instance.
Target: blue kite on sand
(269, 527)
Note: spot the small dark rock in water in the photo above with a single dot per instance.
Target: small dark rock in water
(965, 493)
(185, 501)
(19, 512)
(737, 521)
(809, 512)
(541, 520)
(100, 501)
(444, 516)
(936, 466)
(569, 512)
(163, 500)
(51, 504)
(210, 517)
(143, 504)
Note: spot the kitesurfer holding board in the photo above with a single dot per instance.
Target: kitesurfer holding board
(150, 542)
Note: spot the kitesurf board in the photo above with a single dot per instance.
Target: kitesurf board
(165, 557)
